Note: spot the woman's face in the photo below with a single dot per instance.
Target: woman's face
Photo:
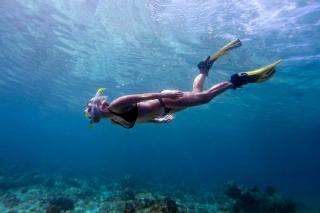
(93, 111)
(95, 115)
(95, 107)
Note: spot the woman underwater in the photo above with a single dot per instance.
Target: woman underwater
(159, 107)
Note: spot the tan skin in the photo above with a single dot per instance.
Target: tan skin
(151, 110)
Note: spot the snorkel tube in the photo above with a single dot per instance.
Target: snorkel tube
(93, 107)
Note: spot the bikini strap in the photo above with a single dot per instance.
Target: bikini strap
(166, 109)
(162, 103)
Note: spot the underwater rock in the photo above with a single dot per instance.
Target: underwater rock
(129, 208)
(144, 196)
(144, 200)
(124, 190)
(60, 204)
(232, 190)
(53, 209)
(10, 201)
(167, 205)
(202, 210)
(85, 194)
(170, 205)
(113, 206)
(253, 200)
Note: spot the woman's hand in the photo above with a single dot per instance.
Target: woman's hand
(165, 119)
(172, 94)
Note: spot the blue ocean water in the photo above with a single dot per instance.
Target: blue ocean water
(54, 54)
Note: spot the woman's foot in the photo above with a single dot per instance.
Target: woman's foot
(254, 76)
(205, 66)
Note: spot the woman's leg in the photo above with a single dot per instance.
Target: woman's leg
(205, 65)
(198, 83)
(217, 89)
(198, 98)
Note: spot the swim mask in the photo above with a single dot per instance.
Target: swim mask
(92, 111)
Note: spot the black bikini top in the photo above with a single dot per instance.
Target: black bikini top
(130, 116)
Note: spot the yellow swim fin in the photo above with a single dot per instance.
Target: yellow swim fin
(229, 46)
(262, 74)
(205, 65)
(254, 76)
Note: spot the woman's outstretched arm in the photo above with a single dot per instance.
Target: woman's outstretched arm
(128, 100)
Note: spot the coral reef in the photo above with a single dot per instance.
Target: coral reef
(61, 204)
(165, 206)
(70, 192)
(254, 200)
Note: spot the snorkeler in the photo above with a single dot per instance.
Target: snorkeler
(159, 107)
